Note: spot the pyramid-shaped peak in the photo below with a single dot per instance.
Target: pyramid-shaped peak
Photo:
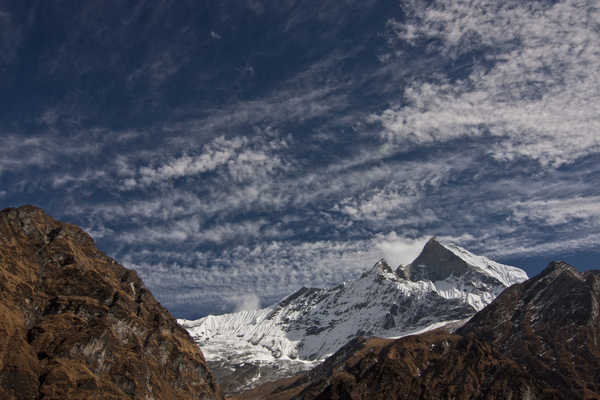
(433, 244)
(439, 261)
(435, 263)
(560, 267)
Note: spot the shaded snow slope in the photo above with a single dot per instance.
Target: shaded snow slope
(444, 284)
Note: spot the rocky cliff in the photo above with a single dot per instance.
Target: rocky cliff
(77, 325)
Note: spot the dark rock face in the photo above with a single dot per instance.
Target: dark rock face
(435, 263)
(537, 340)
(77, 325)
(550, 326)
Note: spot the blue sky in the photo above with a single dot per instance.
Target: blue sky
(232, 152)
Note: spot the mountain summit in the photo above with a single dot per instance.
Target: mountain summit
(77, 325)
(439, 261)
(445, 284)
(435, 263)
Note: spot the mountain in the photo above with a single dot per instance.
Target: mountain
(77, 325)
(445, 284)
(538, 340)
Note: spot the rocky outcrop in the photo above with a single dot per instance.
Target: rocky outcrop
(537, 340)
(77, 325)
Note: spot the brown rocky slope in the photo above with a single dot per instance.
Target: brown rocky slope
(77, 325)
(537, 340)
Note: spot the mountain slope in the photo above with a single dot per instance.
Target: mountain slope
(311, 324)
(77, 325)
(537, 340)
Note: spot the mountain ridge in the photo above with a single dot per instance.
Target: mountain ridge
(311, 324)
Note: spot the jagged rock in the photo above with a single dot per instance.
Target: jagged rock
(77, 325)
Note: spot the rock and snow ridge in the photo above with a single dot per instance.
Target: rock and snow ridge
(444, 284)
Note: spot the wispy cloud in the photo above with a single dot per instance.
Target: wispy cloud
(559, 211)
(475, 123)
(66, 179)
(53, 149)
(194, 229)
(378, 206)
(536, 90)
(242, 158)
(218, 153)
(230, 274)
(399, 250)
(288, 105)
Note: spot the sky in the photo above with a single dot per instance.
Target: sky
(234, 151)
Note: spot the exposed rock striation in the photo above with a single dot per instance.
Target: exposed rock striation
(77, 325)
(537, 340)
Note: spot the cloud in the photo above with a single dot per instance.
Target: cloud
(217, 153)
(262, 176)
(297, 101)
(98, 232)
(323, 224)
(193, 228)
(271, 269)
(551, 212)
(377, 206)
(242, 158)
(398, 250)
(535, 89)
(519, 246)
(478, 130)
(246, 302)
(18, 153)
(66, 179)
(57, 152)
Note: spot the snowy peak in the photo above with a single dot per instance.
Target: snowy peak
(505, 274)
(438, 262)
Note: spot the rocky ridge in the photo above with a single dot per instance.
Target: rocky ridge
(77, 325)
(444, 285)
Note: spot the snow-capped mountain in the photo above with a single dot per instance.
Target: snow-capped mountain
(444, 284)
